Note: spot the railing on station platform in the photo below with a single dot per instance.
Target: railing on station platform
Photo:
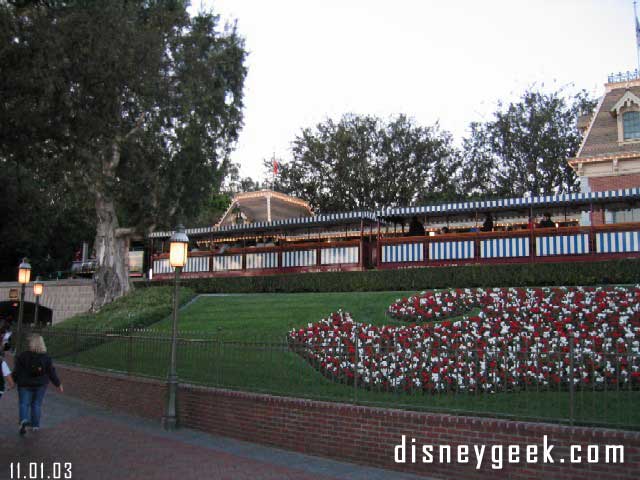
(531, 245)
(538, 244)
(303, 257)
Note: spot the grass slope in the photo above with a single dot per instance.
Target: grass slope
(218, 347)
(140, 308)
(268, 317)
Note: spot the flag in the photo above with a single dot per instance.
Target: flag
(275, 167)
(637, 33)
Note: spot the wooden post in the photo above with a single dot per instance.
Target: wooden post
(592, 239)
(378, 247)
(361, 256)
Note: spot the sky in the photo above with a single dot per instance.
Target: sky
(435, 61)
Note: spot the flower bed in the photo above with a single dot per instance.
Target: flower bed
(521, 338)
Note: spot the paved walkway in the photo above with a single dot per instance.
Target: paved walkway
(106, 445)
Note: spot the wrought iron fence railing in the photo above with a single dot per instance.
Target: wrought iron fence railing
(578, 384)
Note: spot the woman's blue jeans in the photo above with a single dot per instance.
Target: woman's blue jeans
(31, 404)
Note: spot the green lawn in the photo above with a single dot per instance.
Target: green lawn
(268, 317)
(237, 341)
(140, 308)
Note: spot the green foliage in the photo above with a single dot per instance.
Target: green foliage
(132, 106)
(625, 271)
(363, 162)
(524, 149)
(35, 211)
(139, 309)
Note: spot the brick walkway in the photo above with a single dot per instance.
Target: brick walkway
(105, 445)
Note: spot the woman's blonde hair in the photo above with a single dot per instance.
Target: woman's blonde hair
(36, 344)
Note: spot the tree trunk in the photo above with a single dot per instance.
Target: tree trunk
(112, 276)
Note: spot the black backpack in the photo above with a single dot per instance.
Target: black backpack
(37, 366)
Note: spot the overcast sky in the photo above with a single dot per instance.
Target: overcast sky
(432, 60)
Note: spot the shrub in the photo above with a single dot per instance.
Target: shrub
(623, 271)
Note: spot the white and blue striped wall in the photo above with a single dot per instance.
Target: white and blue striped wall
(562, 245)
(197, 264)
(403, 252)
(299, 258)
(226, 262)
(451, 250)
(262, 260)
(617, 242)
(504, 247)
(162, 266)
(339, 255)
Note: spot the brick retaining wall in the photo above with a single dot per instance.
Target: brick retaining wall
(357, 434)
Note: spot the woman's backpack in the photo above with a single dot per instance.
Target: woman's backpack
(37, 366)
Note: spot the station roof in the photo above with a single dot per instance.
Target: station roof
(344, 218)
(481, 206)
(264, 206)
(562, 200)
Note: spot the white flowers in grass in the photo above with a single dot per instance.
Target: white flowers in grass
(519, 339)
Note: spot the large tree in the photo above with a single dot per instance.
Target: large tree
(523, 149)
(364, 162)
(132, 102)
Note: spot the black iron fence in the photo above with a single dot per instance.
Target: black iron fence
(575, 385)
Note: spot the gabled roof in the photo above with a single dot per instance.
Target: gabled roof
(601, 138)
(264, 205)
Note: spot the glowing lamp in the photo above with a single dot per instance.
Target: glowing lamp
(24, 272)
(37, 287)
(179, 248)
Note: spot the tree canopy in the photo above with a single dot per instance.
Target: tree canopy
(523, 149)
(364, 162)
(131, 104)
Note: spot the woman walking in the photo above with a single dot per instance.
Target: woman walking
(32, 371)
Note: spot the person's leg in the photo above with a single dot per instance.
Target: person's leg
(24, 402)
(36, 405)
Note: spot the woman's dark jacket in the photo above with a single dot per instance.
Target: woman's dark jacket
(34, 370)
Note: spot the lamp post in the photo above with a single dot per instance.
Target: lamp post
(37, 291)
(24, 275)
(177, 259)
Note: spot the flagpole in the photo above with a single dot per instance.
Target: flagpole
(637, 25)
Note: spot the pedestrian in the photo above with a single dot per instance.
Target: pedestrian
(547, 222)
(32, 372)
(5, 338)
(416, 229)
(6, 382)
(487, 226)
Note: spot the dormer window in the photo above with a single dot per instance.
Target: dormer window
(627, 112)
(631, 125)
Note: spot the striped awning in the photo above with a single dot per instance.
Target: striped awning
(567, 199)
(515, 203)
(316, 220)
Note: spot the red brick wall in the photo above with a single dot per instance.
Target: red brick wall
(360, 434)
(600, 184)
(134, 395)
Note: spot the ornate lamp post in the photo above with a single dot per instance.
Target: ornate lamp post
(177, 259)
(24, 275)
(37, 291)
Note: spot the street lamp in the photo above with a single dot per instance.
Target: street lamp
(24, 275)
(177, 259)
(37, 291)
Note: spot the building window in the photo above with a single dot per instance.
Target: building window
(631, 125)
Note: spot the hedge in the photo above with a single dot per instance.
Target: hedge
(622, 271)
